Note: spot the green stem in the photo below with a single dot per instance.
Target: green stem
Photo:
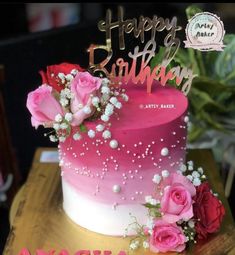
(193, 60)
(201, 63)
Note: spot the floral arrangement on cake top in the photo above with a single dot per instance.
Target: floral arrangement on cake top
(182, 209)
(70, 95)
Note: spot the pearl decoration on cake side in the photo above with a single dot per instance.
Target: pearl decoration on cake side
(186, 119)
(116, 188)
(113, 144)
(164, 151)
(77, 136)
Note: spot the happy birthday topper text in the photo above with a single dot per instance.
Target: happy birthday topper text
(122, 71)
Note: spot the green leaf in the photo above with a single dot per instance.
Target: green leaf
(195, 133)
(83, 128)
(212, 95)
(225, 63)
(213, 123)
(201, 99)
(148, 205)
(195, 57)
(182, 58)
(192, 10)
(228, 38)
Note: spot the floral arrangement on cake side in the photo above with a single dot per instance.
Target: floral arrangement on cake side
(70, 95)
(182, 209)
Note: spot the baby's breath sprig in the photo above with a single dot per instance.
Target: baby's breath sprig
(141, 237)
(195, 175)
(189, 230)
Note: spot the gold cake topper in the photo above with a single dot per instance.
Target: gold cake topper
(122, 71)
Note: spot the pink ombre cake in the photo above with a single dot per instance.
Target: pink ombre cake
(105, 181)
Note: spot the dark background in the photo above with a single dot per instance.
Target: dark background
(24, 53)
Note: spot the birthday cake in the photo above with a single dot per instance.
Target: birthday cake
(122, 147)
(112, 176)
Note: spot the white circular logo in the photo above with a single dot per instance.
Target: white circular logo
(205, 32)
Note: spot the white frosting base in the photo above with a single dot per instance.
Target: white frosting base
(98, 217)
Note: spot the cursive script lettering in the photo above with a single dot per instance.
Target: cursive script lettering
(156, 24)
(122, 71)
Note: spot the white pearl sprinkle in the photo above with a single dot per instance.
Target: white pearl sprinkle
(113, 144)
(186, 119)
(77, 136)
(116, 188)
(164, 151)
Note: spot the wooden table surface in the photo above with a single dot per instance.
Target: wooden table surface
(40, 223)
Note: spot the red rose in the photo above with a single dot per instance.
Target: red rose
(208, 209)
(50, 77)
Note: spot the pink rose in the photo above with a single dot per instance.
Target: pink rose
(83, 86)
(176, 202)
(167, 237)
(43, 106)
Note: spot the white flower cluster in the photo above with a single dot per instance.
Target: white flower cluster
(151, 200)
(145, 244)
(157, 177)
(61, 127)
(66, 79)
(106, 105)
(106, 101)
(189, 231)
(196, 176)
(66, 94)
(134, 245)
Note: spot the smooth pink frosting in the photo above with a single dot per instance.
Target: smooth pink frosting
(142, 130)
